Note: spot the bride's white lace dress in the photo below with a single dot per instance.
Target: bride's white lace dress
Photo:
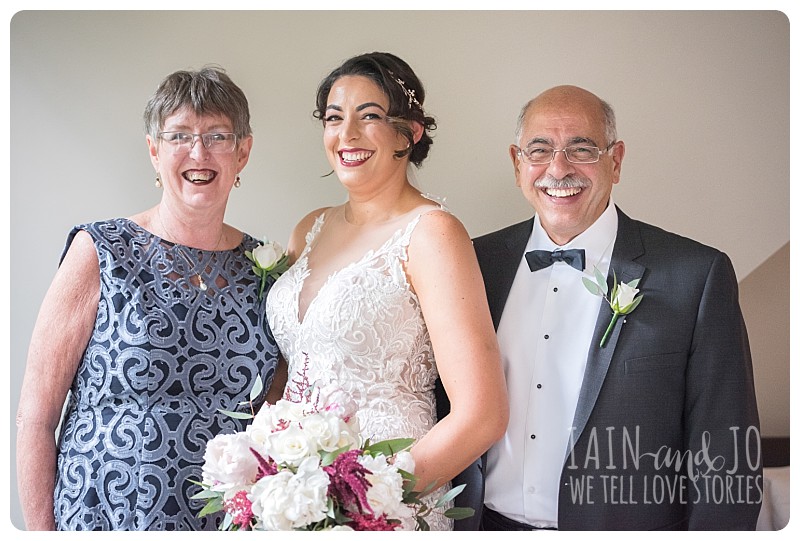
(364, 331)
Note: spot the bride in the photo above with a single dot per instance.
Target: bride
(385, 294)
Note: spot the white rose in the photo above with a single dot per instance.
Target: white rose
(624, 297)
(286, 501)
(286, 410)
(272, 418)
(267, 254)
(290, 446)
(329, 432)
(228, 461)
(386, 493)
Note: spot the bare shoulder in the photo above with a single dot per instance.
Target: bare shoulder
(308, 220)
(81, 253)
(77, 280)
(439, 229)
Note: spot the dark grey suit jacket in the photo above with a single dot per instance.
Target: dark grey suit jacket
(666, 426)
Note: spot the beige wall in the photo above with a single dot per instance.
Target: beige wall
(764, 296)
(702, 101)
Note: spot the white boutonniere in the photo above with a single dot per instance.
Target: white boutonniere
(269, 259)
(623, 298)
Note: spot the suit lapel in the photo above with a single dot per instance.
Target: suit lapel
(508, 257)
(627, 248)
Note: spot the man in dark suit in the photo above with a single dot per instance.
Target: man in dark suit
(654, 426)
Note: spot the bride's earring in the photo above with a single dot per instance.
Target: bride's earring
(158, 180)
(238, 182)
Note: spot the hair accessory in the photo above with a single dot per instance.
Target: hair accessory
(158, 181)
(238, 181)
(410, 93)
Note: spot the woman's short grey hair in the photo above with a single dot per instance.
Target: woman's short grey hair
(208, 91)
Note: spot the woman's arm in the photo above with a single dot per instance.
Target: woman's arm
(63, 328)
(278, 384)
(444, 272)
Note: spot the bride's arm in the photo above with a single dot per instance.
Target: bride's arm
(443, 270)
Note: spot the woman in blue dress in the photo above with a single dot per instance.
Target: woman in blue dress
(152, 324)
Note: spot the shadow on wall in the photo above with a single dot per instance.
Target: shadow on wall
(764, 297)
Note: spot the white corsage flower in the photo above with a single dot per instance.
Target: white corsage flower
(623, 299)
(269, 259)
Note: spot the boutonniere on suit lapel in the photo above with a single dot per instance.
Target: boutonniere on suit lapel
(623, 298)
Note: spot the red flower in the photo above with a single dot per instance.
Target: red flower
(348, 481)
(371, 523)
(240, 509)
(266, 466)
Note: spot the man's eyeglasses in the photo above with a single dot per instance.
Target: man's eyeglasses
(542, 154)
(181, 142)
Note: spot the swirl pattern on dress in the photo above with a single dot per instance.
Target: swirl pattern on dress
(364, 331)
(163, 358)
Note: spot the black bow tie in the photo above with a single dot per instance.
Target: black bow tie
(540, 259)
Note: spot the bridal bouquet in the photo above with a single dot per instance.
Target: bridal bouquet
(303, 466)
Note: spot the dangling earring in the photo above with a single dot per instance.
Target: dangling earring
(238, 182)
(158, 180)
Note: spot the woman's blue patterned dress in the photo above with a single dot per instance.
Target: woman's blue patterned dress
(163, 358)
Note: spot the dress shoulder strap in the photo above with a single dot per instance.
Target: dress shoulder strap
(312, 233)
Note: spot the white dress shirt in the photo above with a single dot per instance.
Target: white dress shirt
(544, 335)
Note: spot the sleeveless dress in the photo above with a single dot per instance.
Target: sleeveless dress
(364, 331)
(163, 357)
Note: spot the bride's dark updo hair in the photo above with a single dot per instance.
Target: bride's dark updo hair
(405, 92)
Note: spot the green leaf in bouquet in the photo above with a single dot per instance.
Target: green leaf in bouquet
(213, 506)
(331, 512)
(408, 476)
(236, 414)
(258, 386)
(457, 513)
(226, 522)
(449, 495)
(388, 447)
(428, 489)
(205, 494)
(327, 458)
(422, 525)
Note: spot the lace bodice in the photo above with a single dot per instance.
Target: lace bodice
(364, 331)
